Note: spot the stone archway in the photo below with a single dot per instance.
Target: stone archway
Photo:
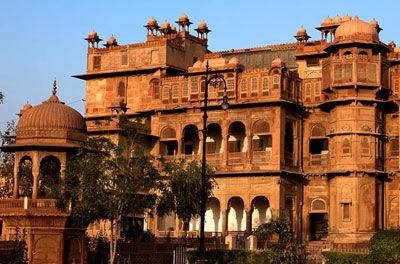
(236, 215)
(49, 176)
(261, 212)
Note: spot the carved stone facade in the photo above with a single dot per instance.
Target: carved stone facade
(311, 131)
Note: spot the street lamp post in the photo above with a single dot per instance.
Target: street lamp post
(216, 81)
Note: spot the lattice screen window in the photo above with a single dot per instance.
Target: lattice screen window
(243, 87)
(124, 58)
(265, 86)
(185, 91)
(276, 81)
(317, 91)
(96, 62)
(308, 92)
(194, 85)
(155, 88)
(254, 85)
(230, 83)
(165, 93)
(175, 91)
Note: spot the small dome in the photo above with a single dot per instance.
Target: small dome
(202, 25)
(277, 63)
(374, 23)
(356, 29)
(337, 19)
(173, 28)
(165, 25)
(183, 18)
(26, 106)
(301, 31)
(327, 21)
(93, 34)
(112, 41)
(152, 22)
(346, 18)
(51, 122)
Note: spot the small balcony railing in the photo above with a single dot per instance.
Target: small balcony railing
(26, 205)
(318, 159)
(262, 156)
(214, 158)
(236, 158)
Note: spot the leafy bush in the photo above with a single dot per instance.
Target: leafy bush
(286, 250)
(385, 246)
(337, 257)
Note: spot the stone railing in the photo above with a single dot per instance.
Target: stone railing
(26, 205)
(237, 158)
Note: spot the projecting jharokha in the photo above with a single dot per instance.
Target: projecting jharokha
(312, 129)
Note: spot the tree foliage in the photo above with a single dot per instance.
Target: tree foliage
(105, 180)
(183, 189)
(285, 250)
(1, 97)
(7, 161)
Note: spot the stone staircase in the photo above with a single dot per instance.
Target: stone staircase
(314, 249)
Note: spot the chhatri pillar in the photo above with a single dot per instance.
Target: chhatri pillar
(46, 135)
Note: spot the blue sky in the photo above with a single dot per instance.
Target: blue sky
(43, 40)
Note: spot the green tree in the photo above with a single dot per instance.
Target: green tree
(105, 181)
(183, 190)
(7, 161)
(1, 97)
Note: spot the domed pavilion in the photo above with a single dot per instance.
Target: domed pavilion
(46, 135)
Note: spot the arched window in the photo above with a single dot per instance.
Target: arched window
(318, 142)
(346, 146)
(348, 54)
(168, 142)
(318, 131)
(318, 205)
(276, 80)
(363, 53)
(365, 149)
(237, 134)
(214, 139)
(25, 177)
(262, 139)
(50, 168)
(190, 141)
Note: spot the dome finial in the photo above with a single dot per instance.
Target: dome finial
(54, 86)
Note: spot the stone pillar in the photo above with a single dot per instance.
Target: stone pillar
(62, 171)
(225, 222)
(251, 242)
(224, 150)
(248, 221)
(16, 180)
(249, 155)
(35, 175)
(230, 240)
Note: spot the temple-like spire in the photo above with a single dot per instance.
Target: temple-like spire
(55, 87)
